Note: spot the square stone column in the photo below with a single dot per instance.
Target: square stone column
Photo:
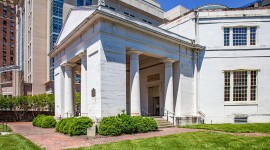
(168, 87)
(84, 100)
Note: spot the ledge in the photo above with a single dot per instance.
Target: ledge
(241, 104)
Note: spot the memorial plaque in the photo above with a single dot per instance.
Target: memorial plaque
(154, 77)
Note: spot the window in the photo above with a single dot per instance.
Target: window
(88, 2)
(227, 86)
(80, 3)
(240, 86)
(253, 35)
(226, 36)
(253, 86)
(241, 36)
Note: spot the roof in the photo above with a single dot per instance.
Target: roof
(212, 7)
(79, 16)
(224, 9)
(250, 4)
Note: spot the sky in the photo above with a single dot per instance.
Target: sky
(190, 4)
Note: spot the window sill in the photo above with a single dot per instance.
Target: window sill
(240, 104)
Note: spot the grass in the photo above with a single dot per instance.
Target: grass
(3, 128)
(234, 128)
(16, 142)
(194, 141)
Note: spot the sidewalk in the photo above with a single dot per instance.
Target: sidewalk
(51, 140)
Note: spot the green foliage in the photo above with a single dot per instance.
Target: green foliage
(189, 141)
(129, 124)
(146, 124)
(80, 125)
(126, 124)
(78, 99)
(110, 126)
(39, 102)
(234, 128)
(44, 121)
(74, 126)
(16, 142)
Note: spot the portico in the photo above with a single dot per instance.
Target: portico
(137, 70)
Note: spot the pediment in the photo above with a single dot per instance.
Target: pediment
(75, 17)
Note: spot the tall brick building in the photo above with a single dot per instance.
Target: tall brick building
(7, 42)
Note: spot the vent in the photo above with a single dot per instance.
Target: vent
(240, 120)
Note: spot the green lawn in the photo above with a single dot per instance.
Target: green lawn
(196, 140)
(16, 142)
(3, 128)
(234, 128)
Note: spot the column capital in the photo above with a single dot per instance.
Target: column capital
(168, 60)
(68, 64)
(82, 54)
(134, 52)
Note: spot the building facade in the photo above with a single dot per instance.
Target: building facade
(233, 69)
(207, 64)
(149, 71)
(8, 45)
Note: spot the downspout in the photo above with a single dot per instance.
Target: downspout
(197, 41)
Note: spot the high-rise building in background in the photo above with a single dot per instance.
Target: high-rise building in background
(7, 46)
(39, 24)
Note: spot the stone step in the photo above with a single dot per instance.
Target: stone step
(168, 126)
(162, 123)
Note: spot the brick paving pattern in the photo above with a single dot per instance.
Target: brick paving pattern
(51, 140)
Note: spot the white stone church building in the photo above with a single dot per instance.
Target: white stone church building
(210, 64)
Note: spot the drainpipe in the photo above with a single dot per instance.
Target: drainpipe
(197, 41)
(196, 14)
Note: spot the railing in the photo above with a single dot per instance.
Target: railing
(145, 113)
(201, 114)
(167, 114)
(202, 117)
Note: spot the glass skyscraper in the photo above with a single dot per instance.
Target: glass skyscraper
(56, 22)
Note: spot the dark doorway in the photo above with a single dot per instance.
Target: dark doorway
(153, 101)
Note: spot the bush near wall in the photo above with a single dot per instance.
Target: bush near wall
(126, 124)
(74, 126)
(110, 126)
(44, 121)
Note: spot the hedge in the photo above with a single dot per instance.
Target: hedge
(74, 126)
(126, 124)
(110, 126)
(44, 121)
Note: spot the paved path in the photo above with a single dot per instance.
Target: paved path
(51, 140)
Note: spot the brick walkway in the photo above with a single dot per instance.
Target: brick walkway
(51, 140)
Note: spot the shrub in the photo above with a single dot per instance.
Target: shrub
(37, 121)
(80, 125)
(74, 126)
(144, 124)
(128, 123)
(110, 126)
(44, 121)
(48, 122)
